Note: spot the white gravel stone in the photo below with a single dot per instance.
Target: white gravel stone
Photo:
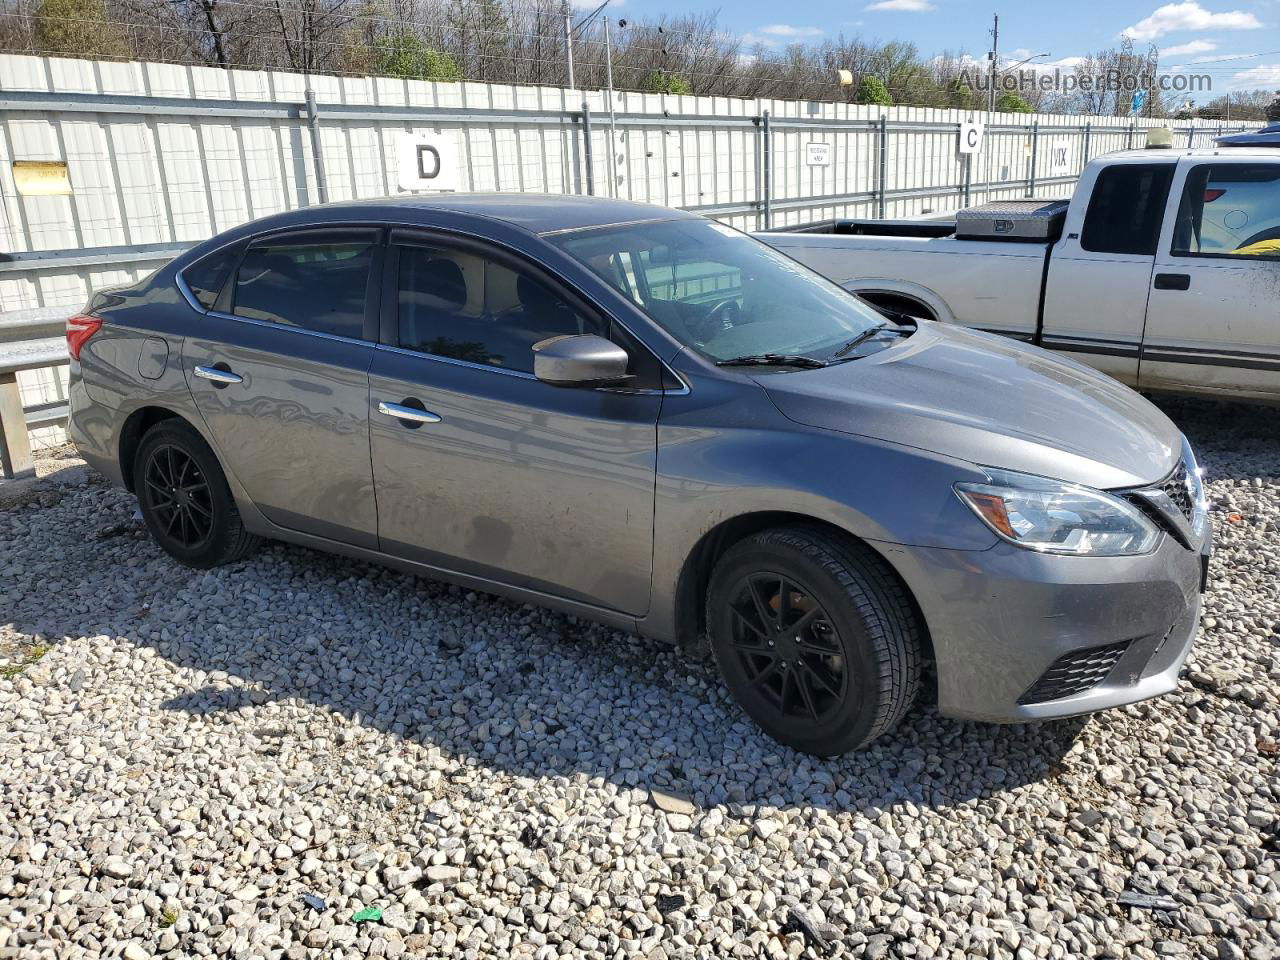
(185, 754)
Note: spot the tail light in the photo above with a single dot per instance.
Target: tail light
(79, 329)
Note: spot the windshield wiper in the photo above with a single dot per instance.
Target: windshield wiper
(771, 360)
(857, 341)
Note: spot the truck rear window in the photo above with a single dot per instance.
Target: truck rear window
(1127, 208)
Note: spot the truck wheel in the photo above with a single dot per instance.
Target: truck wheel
(814, 637)
(185, 500)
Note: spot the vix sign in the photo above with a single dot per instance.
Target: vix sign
(427, 161)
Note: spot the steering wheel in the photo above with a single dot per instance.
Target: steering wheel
(723, 316)
(1271, 233)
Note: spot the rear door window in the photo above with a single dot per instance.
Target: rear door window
(1127, 208)
(1229, 210)
(316, 282)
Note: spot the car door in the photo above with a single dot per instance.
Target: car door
(279, 370)
(482, 468)
(1100, 269)
(1213, 323)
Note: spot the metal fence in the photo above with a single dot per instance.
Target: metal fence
(161, 156)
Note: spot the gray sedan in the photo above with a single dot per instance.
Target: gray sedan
(650, 419)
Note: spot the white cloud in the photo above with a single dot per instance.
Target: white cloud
(1267, 77)
(1189, 15)
(790, 32)
(1187, 49)
(909, 6)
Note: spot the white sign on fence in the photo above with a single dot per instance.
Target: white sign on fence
(1059, 158)
(817, 154)
(971, 137)
(427, 161)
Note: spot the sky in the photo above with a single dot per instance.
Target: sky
(1236, 43)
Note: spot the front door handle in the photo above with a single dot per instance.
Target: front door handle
(219, 376)
(1173, 281)
(411, 413)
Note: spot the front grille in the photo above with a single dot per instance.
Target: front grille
(1175, 488)
(1074, 673)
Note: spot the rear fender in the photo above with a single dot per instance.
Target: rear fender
(904, 288)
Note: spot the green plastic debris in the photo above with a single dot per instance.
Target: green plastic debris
(367, 915)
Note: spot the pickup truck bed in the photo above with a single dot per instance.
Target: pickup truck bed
(1164, 270)
(978, 276)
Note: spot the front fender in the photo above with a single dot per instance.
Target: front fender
(709, 475)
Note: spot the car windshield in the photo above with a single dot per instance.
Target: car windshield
(721, 292)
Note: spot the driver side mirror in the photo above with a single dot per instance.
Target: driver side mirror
(579, 360)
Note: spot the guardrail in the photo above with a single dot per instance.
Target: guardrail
(29, 340)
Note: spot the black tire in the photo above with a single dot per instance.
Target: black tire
(185, 501)
(838, 621)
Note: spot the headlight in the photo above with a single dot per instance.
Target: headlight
(1056, 517)
(1195, 489)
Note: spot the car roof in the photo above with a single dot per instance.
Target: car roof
(1267, 137)
(1174, 154)
(536, 212)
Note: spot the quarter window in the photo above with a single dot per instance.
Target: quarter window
(464, 306)
(1229, 210)
(1127, 208)
(319, 286)
(205, 278)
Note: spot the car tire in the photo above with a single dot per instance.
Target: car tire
(815, 638)
(185, 500)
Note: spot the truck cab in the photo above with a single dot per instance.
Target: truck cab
(1163, 272)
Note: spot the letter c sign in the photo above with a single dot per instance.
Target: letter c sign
(971, 137)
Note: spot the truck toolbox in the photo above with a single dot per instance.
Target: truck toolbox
(1032, 221)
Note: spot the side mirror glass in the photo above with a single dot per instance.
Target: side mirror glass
(579, 360)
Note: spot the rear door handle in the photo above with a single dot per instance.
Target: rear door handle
(411, 416)
(218, 376)
(1173, 281)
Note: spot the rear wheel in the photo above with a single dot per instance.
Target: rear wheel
(814, 637)
(185, 500)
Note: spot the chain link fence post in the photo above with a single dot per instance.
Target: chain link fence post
(766, 146)
(317, 150)
(586, 149)
(882, 175)
(1035, 156)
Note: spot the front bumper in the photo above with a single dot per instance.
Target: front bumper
(1019, 635)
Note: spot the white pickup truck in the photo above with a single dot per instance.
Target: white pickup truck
(1164, 271)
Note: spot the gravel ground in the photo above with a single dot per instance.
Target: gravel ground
(236, 763)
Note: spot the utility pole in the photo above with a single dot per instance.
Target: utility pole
(991, 97)
(994, 55)
(568, 42)
(613, 120)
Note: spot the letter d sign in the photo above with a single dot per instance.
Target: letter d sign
(427, 161)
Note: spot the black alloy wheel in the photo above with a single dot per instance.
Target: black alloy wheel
(815, 636)
(185, 500)
(177, 491)
(788, 646)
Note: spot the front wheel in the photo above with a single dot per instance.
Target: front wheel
(185, 500)
(815, 637)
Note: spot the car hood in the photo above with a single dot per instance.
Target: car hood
(991, 401)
